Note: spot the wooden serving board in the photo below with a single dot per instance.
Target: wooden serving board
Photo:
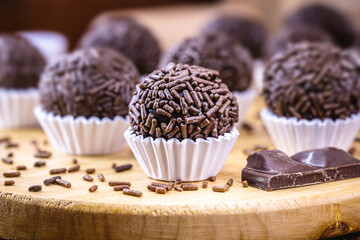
(241, 213)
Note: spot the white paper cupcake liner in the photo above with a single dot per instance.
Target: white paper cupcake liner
(244, 99)
(83, 136)
(188, 160)
(16, 108)
(258, 74)
(291, 135)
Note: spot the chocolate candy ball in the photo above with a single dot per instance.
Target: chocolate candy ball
(218, 52)
(288, 36)
(20, 63)
(328, 19)
(313, 81)
(128, 37)
(183, 102)
(96, 82)
(248, 32)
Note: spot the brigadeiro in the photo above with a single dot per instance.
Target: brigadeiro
(335, 23)
(221, 53)
(84, 101)
(182, 123)
(312, 94)
(126, 35)
(20, 67)
(288, 36)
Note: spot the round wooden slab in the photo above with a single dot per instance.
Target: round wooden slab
(56, 212)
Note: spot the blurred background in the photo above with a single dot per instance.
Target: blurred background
(171, 20)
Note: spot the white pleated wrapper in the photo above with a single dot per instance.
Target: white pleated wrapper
(244, 99)
(258, 74)
(291, 135)
(188, 160)
(16, 108)
(83, 136)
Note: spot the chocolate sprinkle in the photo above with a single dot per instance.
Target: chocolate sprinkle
(313, 81)
(182, 123)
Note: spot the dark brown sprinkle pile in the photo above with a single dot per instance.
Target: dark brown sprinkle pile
(21, 167)
(21, 63)
(88, 178)
(57, 171)
(212, 178)
(204, 184)
(101, 177)
(131, 192)
(121, 187)
(63, 183)
(245, 184)
(9, 182)
(123, 167)
(35, 188)
(90, 82)
(39, 163)
(11, 174)
(313, 81)
(51, 180)
(182, 101)
(217, 52)
(93, 188)
(73, 169)
(90, 170)
(7, 160)
(42, 154)
(189, 187)
(115, 183)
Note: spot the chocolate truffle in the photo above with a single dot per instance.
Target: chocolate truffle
(183, 102)
(218, 52)
(248, 32)
(20, 63)
(128, 37)
(326, 18)
(95, 82)
(302, 33)
(313, 81)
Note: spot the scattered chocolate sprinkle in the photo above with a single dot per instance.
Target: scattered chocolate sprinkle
(178, 188)
(10, 154)
(39, 163)
(93, 188)
(212, 178)
(4, 139)
(21, 167)
(74, 168)
(123, 167)
(57, 171)
(10, 145)
(131, 192)
(101, 177)
(90, 170)
(189, 187)
(74, 161)
(113, 165)
(247, 127)
(42, 154)
(224, 188)
(177, 182)
(11, 174)
(9, 182)
(166, 186)
(121, 187)
(352, 150)
(88, 178)
(230, 182)
(151, 188)
(51, 180)
(7, 160)
(35, 188)
(115, 183)
(204, 184)
(160, 190)
(245, 184)
(63, 183)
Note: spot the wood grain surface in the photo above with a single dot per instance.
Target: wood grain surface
(56, 212)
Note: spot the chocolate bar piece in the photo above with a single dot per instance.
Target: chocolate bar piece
(272, 169)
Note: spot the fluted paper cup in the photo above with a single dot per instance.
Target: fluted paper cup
(188, 160)
(83, 136)
(244, 99)
(291, 135)
(16, 108)
(258, 74)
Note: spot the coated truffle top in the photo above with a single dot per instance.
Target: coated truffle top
(326, 18)
(248, 32)
(127, 36)
(95, 82)
(183, 102)
(20, 63)
(313, 81)
(288, 36)
(218, 52)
